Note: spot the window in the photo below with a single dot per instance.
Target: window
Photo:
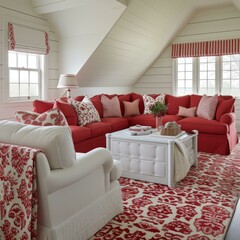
(24, 75)
(208, 75)
(27, 46)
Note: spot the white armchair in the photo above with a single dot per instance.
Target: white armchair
(78, 193)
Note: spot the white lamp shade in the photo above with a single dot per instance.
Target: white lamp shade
(67, 81)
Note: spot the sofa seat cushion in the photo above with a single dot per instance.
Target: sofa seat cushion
(80, 133)
(171, 118)
(145, 119)
(203, 125)
(99, 128)
(116, 123)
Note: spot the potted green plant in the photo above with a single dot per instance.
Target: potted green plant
(158, 110)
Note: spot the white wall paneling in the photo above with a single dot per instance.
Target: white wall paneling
(208, 24)
(22, 11)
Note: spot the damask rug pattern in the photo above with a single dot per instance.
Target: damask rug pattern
(200, 207)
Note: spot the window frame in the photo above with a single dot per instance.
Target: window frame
(196, 76)
(44, 92)
(39, 70)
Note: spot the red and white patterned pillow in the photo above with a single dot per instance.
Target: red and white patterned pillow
(52, 117)
(86, 111)
(148, 101)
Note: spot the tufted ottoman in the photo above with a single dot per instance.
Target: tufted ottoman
(149, 157)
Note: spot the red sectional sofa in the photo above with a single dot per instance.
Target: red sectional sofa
(215, 136)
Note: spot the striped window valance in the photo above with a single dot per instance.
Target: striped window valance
(208, 48)
(25, 39)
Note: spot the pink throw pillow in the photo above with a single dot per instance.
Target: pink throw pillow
(52, 117)
(207, 107)
(187, 112)
(131, 108)
(85, 110)
(148, 101)
(111, 107)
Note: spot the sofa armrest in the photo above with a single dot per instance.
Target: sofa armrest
(85, 164)
(228, 118)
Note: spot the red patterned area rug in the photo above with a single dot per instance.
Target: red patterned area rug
(200, 207)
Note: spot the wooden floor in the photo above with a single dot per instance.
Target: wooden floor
(233, 232)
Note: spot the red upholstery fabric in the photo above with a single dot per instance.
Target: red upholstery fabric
(194, 100)
(145, 119)
(68, 112)
(99, 128)
(80, 133)
(171, 118)
(227, 118)
(141, 103)
(174, 103)
(40, 106)
(96, 100)
(116, 123)
(224, 106)
(203, 125)
(79, 98)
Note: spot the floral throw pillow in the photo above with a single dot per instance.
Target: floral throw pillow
(86, 111)
(148, 101)
(52, 117)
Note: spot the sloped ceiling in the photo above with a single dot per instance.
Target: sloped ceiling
(129, 44)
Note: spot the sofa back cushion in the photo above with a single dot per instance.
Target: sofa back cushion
(68, 111)
(55, 141)
(135, 96)
(40, 106)
(224, 106)
(174, 103)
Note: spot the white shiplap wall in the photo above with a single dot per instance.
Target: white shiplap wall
(211, 24)
(22, 11)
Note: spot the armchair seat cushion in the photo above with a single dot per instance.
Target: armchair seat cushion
(203, 125)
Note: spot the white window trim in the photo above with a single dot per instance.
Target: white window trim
(195, 87)
(44, 75)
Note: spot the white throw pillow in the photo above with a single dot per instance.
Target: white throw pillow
(86, 111)
(148, 101)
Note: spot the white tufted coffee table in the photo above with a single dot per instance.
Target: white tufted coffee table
(149, 157)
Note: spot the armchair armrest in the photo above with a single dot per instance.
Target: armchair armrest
(228, 118)
(85, 164)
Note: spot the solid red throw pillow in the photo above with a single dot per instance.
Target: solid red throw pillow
(40, 106)
(68, 111)
(52, 117)
(224, 107)
(173, 103)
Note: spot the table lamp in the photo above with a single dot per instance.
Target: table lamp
(67, 81)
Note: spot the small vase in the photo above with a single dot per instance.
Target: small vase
(158, 123)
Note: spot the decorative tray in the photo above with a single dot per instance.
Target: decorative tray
(157, 134)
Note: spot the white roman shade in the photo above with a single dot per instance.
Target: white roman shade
(26, 39)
